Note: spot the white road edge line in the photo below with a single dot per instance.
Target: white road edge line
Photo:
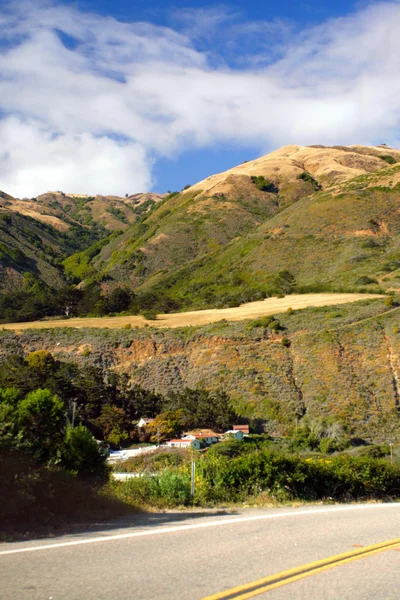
(164, 530)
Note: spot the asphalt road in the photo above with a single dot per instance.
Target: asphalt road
(194, 555)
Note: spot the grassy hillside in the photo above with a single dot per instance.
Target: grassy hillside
(339, 361)
(193, 224)
(37, 234)
(298, 219)
(111, 212)
(326, 241)
(28, 246)
(326, 215)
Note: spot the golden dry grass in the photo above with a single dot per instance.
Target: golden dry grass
(327, 165)
(252, 310)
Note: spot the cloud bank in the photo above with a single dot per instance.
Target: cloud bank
(88, 103)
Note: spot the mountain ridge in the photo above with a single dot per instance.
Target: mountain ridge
(326, 214)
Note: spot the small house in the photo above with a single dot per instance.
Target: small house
(207, 436)
(184, 443)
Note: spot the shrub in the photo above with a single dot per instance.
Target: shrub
(388, 158)
(149, 315)
(305, 176)
(228, 448)
(261, 322)
(168, 489)
(365, 280)
(389, 301)
(263, 184)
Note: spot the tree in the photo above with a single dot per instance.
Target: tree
(68, 298)
(119, 300)
(203, 408)
(114, 425)
(81, 452)
(9, 399)
(166, 425)
(40, 418)
(138, 402)
(285, 281)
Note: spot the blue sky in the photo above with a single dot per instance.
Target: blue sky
(160, 12)
(122, 96)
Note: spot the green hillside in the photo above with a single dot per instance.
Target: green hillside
(192, 224)
(309, 228)
(298, 219)
(28, 246)
(325, 241)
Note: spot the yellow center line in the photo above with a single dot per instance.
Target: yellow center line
(249, 590)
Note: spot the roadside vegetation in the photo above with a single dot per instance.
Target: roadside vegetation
(260, 471)
(57, 420)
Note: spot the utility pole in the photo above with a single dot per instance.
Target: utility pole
(193, 478)
(391, 452)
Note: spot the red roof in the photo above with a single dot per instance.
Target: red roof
(243, 428)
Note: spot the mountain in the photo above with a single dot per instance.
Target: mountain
(63, 210)
(326, 215)
(305, 218)
(37, 234)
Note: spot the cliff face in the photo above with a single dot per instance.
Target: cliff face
(350, 371)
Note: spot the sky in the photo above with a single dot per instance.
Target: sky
(123, 96)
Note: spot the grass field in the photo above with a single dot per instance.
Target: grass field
(252, 310)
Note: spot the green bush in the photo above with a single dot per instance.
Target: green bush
(168, 489)
(305, 176)
(149, 315)
(388, 158)
(365, 280)
(263, 184)
(389, 301)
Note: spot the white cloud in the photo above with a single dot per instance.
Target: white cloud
(95, 117)
(35, 160)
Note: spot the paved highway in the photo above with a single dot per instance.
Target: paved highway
(199, 555)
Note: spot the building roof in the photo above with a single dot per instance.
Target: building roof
(244, 428)
(202, 433)
(180, 441)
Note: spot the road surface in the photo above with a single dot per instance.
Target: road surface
(171, 556)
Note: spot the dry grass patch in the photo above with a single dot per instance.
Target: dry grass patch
(252, 310)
